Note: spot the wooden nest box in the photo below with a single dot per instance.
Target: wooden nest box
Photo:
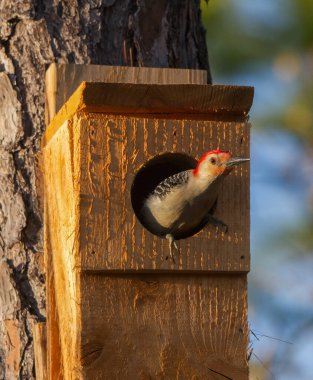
(117, 309)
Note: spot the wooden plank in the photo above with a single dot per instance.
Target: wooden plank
(106, 152)
(61, 226)
(112, 238)
(200, 100)
(158, 319)
(40, 349)
(164, 327)
(53, 354)
(63, 79)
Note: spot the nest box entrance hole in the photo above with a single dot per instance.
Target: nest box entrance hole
(153, 172)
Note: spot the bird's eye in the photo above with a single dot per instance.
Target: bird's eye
(213, 160)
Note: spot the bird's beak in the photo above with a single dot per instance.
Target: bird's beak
(236, 161)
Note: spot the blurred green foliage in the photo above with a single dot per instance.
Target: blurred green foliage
(246, 37)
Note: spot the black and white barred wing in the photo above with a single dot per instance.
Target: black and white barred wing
(170, 183)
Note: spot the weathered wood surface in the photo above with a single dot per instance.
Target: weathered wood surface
(40, 348)
(106, 152)
(53, 352)
(164, 327)
(62, 80)
(62, 250)
(111, 237)
(224, 102)
(157, 319)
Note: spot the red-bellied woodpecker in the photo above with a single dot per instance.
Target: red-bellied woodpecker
(182, 202)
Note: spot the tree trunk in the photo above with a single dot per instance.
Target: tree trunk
(33, 34)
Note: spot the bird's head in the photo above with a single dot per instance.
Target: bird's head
(216, 163)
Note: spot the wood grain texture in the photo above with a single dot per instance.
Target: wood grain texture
(62, 80)
(164, 327)
(54, 354)
(221, 102)
(121, 310)
(40, 348)
(112, 151)
(61, 216)
(106, 153)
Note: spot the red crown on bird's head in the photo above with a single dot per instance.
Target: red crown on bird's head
(215, 151)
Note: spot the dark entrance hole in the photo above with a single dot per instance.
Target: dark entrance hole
(152, 173)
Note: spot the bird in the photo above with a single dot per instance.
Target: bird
(181, 203)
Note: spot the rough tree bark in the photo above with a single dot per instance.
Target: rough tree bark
(34, 33)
